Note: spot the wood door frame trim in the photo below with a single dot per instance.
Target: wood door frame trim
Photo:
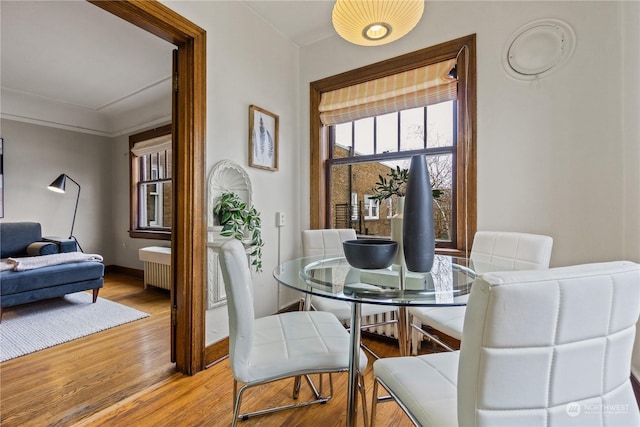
(188, 244)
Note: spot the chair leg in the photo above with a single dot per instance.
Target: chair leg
(431, 337)
(364, 398)
(237, 402)
(238, 399)
(296, 386)
(374, 402)
(368, 350)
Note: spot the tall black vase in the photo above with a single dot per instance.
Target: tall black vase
(417, 229)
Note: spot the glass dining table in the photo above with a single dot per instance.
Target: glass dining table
(331, 276)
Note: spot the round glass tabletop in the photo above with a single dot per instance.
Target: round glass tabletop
(448, 283)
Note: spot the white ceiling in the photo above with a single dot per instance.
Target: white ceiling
(301, 21)
(75, 54)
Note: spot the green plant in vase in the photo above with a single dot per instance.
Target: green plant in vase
(242, 223)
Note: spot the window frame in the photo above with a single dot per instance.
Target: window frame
(466, 175)
(135, 232)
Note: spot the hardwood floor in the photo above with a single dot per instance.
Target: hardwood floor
(123, 376)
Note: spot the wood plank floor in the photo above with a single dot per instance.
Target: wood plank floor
(123, 376)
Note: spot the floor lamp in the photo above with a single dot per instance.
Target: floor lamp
(59, 187)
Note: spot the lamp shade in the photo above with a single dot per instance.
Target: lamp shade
(58, 184)
(375, 22)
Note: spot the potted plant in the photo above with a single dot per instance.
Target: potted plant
(242, 223)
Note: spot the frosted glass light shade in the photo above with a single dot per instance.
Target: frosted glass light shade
(375, 22)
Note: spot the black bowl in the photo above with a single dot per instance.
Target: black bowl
(370, 253)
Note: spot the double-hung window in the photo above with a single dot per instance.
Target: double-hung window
(151, 187)
(367, 122)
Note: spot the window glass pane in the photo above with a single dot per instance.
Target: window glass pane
(441, 176)
(154, 166)
(144, 168)
(363, 136)
(440, 124)
(162, 157)
(350, 206)
(412, 129)
(167, 205)
(169, 154)
(387, 133)
(343, 140)
(155, 205)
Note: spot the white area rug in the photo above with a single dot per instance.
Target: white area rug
(32, 327)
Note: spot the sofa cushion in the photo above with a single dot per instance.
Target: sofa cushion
(12, 282)
(16, 236)
(42, 248)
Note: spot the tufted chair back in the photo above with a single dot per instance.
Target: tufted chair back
(239, 289)
(503, 250)
(325, 242)
(550, 347)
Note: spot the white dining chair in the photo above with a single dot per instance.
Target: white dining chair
(279, 346)
(539, 348)
(329, 242)
(490, 251)
(635, 363)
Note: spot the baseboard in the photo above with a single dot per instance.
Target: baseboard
(132, 272)
(216, 352)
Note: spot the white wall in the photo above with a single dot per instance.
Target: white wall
(551, 153)
(631, 127)
(34, 156)
(248, 62)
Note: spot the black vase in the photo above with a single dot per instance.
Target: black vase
(417, 230)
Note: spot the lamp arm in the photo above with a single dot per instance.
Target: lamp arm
(73, 223)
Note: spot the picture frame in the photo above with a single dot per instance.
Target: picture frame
(263, 138)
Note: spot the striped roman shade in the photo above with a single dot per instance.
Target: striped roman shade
(410, 89)
(151, 146)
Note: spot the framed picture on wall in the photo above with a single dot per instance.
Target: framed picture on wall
(263, 138)
(1, 178)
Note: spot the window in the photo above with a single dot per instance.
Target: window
(371, 207)
(151, 186)
(349, 150)
(354, 207)
(357, 161)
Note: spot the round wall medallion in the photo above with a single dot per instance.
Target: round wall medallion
(538, 48)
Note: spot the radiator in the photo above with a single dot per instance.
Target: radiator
(158, 275)
(157, 266)
(388, 330)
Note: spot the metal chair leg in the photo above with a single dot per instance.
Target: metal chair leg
(374, 402)
(364, 398)
(432, 338)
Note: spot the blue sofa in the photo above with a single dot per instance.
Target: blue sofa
(22, 239)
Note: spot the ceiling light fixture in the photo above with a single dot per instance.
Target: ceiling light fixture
(375, 22)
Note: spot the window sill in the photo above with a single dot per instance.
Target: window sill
(150, 234)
